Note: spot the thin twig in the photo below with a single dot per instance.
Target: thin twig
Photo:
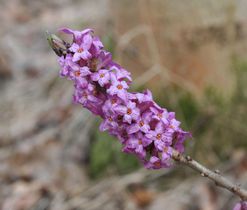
(215, 176)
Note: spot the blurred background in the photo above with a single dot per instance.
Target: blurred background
(191, 54)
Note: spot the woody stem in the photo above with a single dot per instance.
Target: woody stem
(215, 176)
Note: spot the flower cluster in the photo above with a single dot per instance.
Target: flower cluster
(101, 85)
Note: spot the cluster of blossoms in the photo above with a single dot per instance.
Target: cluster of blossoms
(101, 85)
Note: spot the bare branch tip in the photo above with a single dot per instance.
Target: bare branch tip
(188, 158)
(216, 171)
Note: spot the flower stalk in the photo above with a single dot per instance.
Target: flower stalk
(144, 129)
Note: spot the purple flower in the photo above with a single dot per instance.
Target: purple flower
(77, 35)
(241, 206)
(142, 124)
(110, 104)
(174, 124)
(130, 112)
(102, 77)
(101, 61)
(121, 73)
(144, 100)
(65, 63)
(81, 83)
(153, 163)
(118, 88)
(84, 96)
(96, 46)
(159, 136)
(79, 72)
(166, 154)
(160, 114)
(178, 139)
(81, 50)
(97, 43)
(137, 143)
(146, 96)
(108, 123)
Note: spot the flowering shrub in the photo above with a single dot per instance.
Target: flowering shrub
(101, 85)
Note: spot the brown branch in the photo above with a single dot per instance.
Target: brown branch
(219, 180)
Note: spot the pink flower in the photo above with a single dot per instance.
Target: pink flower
(142, 124)
(77, 35)
(154, 163)
(110, 104)
(82, 50)
(108, 123)
(118, 88)
(81, 83)
(137, 143)
(84, 96)
(241, 206)
(159, 136)
(65, 64)
(146, 96)
(160, 114)
(101, 60)
(166, 154)
(102, 77)
(78, 72)
(120, 72)
(130, 112)
(178, 139)
(174, 124)
(96, 46)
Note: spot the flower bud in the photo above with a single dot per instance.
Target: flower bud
(59, 46)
